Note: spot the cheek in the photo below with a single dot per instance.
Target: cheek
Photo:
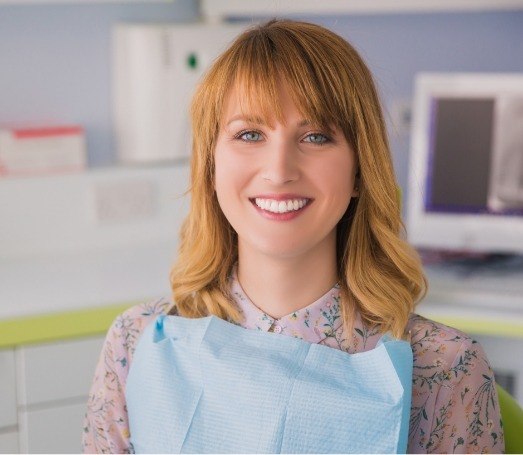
(229, 180)
(339, 187)
(221, 182)
(223, 166)
(336, 176)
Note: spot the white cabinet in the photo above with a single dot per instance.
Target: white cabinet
(8, 416)
(54, 429)
(9, 442)
(43, 395)
(8, 406)
(54, 381)
(57, 371)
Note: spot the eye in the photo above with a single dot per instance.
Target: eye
(249, 136)
(316, 138)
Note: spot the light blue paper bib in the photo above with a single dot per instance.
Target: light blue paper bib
(208, 386)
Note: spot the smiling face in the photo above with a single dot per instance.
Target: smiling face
(282, 185)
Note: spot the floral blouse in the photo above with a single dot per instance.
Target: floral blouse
(454, 401)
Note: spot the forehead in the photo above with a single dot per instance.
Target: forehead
(259, 101)
(243, 103)
(269, 105)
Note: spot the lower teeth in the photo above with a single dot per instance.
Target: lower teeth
(278, 213)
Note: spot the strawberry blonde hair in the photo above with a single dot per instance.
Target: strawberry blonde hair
(380, 274)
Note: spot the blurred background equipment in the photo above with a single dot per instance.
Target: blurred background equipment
(466, 162)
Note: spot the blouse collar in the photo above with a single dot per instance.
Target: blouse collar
(312, 323)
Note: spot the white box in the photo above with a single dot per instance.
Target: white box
(30, 151)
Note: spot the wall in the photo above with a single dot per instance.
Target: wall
(55, 59)
(55, 63)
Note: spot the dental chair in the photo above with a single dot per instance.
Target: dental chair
(512, 417)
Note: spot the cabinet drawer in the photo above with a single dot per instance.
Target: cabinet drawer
(7, 389)
(58, 370)
(506, 358)
(54, 430)
(9, 442)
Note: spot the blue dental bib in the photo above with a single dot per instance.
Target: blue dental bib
(208, 386)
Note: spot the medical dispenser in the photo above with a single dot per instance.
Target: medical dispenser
(155, 70)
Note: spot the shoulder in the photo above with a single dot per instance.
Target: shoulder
(128, 326)
(144, 312)
(443, 355)
(454, 398)
(434, 334)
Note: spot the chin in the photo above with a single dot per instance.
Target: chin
(279, 250)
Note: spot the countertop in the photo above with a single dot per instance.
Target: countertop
(78, 294)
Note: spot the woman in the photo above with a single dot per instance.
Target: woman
(295, 230)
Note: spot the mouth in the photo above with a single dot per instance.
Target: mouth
(281, 205)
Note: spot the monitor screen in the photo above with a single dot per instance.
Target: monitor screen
(466, 163)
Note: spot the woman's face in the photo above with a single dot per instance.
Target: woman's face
(283, 187)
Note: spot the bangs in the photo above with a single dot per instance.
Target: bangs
(265, 59)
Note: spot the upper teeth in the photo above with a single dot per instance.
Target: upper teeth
(280, 206)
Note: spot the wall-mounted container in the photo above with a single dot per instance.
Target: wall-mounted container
(155, 70)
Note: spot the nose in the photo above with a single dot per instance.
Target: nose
(281, 163)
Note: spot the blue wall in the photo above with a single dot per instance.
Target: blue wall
(55, 63)
(55, 59)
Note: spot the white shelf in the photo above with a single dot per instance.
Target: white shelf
(217, 9)
(68, 213)
(59, 2)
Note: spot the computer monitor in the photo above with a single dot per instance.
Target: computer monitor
(466, 163)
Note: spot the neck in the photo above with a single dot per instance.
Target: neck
(279, 286)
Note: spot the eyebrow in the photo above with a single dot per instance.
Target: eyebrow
(258, 120)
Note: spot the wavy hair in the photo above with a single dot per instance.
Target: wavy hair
(380, 274)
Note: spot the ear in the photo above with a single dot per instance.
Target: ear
(356, 188)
